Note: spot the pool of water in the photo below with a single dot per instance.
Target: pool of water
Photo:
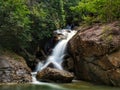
(48, 86)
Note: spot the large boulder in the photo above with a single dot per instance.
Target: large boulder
(54, 75)
(14, 69)
(96, 54)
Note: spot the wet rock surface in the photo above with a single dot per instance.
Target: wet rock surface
(54, 75)
(14, 71)
(96, 54)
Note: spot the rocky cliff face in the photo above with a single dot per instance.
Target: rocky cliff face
(96, 54)
(13, 69)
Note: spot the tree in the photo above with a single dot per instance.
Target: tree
(70, 16)
(98, 10)
(14, 23)
(55, 10)
(46, 16)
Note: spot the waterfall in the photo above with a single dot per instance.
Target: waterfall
(56, 57)
(58, 53)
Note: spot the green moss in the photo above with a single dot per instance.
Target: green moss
(10, 53)
(106, 29)
(106, 34)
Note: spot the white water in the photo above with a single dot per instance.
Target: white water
(56, 57)
(58, 53)
(36, 82)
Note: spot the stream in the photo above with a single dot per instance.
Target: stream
(49, 86)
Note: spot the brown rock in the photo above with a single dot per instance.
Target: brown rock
(14, 71)
(54, 75)
(68, 64)
(96, 54)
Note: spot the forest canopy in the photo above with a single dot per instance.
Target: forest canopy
(26, 22)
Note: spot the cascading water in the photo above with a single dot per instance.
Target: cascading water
(57, 55)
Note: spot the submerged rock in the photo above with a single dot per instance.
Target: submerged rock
(14, 70)
(96, 54)
(54, 75)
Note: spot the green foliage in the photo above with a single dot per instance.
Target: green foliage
(40, 25)
(111, 10)
(46, 16)
(70, 16)
(14, 23)
(98, 10)
(24, 23)
(55, 12)
(106, 35)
